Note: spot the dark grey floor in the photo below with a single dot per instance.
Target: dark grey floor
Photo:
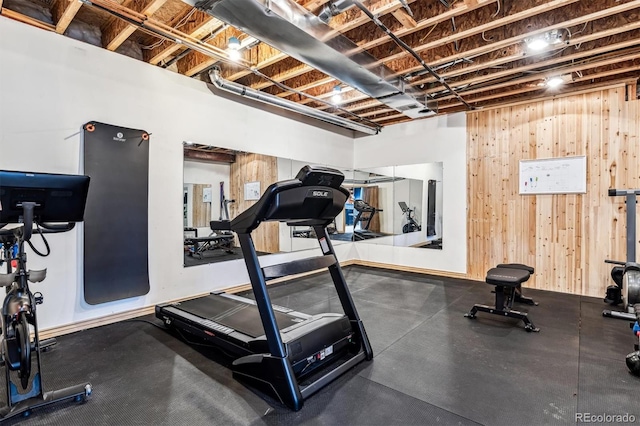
(431, 364)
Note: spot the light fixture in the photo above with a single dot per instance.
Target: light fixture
(537, 44)
(336, 98)
(234, 43)
(554, 82)
(542, 41)
(234, 49)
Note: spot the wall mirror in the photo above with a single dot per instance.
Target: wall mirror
(369, 215)
(418, 203)
(220, 183)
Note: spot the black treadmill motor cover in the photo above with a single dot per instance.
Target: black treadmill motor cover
(313, 198)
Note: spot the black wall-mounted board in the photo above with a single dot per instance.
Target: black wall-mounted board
(116, 222)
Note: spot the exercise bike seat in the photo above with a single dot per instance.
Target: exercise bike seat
(507, 277)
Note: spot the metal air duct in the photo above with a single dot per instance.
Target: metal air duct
(292, 29)
(238, 89)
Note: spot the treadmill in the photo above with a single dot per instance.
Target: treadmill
(287, 354)
(366, 212)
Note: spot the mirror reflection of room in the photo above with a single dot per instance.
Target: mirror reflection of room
(206, 198)
(219, 184)
(369, 215)
(418, 197)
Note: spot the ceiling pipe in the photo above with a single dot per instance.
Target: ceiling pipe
(238, 89)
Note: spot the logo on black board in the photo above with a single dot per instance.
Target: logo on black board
(119, 137)
(320, 194)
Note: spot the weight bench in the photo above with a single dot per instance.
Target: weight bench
(508, 279)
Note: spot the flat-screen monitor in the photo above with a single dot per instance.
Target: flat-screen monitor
(59, 198)
(403, 206)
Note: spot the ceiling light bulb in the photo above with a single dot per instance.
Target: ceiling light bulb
(554, 82)
(537, 44)
(234, 43)
(234, 54)
(337, 95)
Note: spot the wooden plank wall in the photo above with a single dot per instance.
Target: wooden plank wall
(565, 237)
(250, 167)
(201, 210)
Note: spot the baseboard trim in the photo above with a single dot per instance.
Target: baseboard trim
(402, 268)
(147, 310)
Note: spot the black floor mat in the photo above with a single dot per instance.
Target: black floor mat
(432, 365)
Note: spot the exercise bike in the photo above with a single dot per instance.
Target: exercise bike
(411, 225)
(626, 275)
(27, 201)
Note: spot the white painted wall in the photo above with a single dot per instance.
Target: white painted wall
(436, 139)
(50, 85)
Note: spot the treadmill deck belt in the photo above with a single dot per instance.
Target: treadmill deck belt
(242, 317)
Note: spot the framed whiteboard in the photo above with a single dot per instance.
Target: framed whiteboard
(564, 175)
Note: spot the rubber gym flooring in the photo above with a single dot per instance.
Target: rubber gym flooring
(431, 365)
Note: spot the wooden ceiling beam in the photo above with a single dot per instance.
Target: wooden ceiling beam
(618, 23)
(617, 27)
(63, 12)
(614, 68)
(215, 157)
(117, 31)
(532, 66)
(559, 18)
(313, 4)
(524, 9)
(404, 18)
(197, 25)
(17, 16)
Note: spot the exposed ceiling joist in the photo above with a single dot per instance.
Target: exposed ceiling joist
(404, 18)
(197, 24)
(600, 14)
(373, 37)
(63, 12)
(483, 19)
(118, 31)
(196, 62)
(16, 16)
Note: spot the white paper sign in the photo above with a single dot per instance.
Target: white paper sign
(252, 191)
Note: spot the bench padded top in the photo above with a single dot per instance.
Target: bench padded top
(507, 276)
(517, 266)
